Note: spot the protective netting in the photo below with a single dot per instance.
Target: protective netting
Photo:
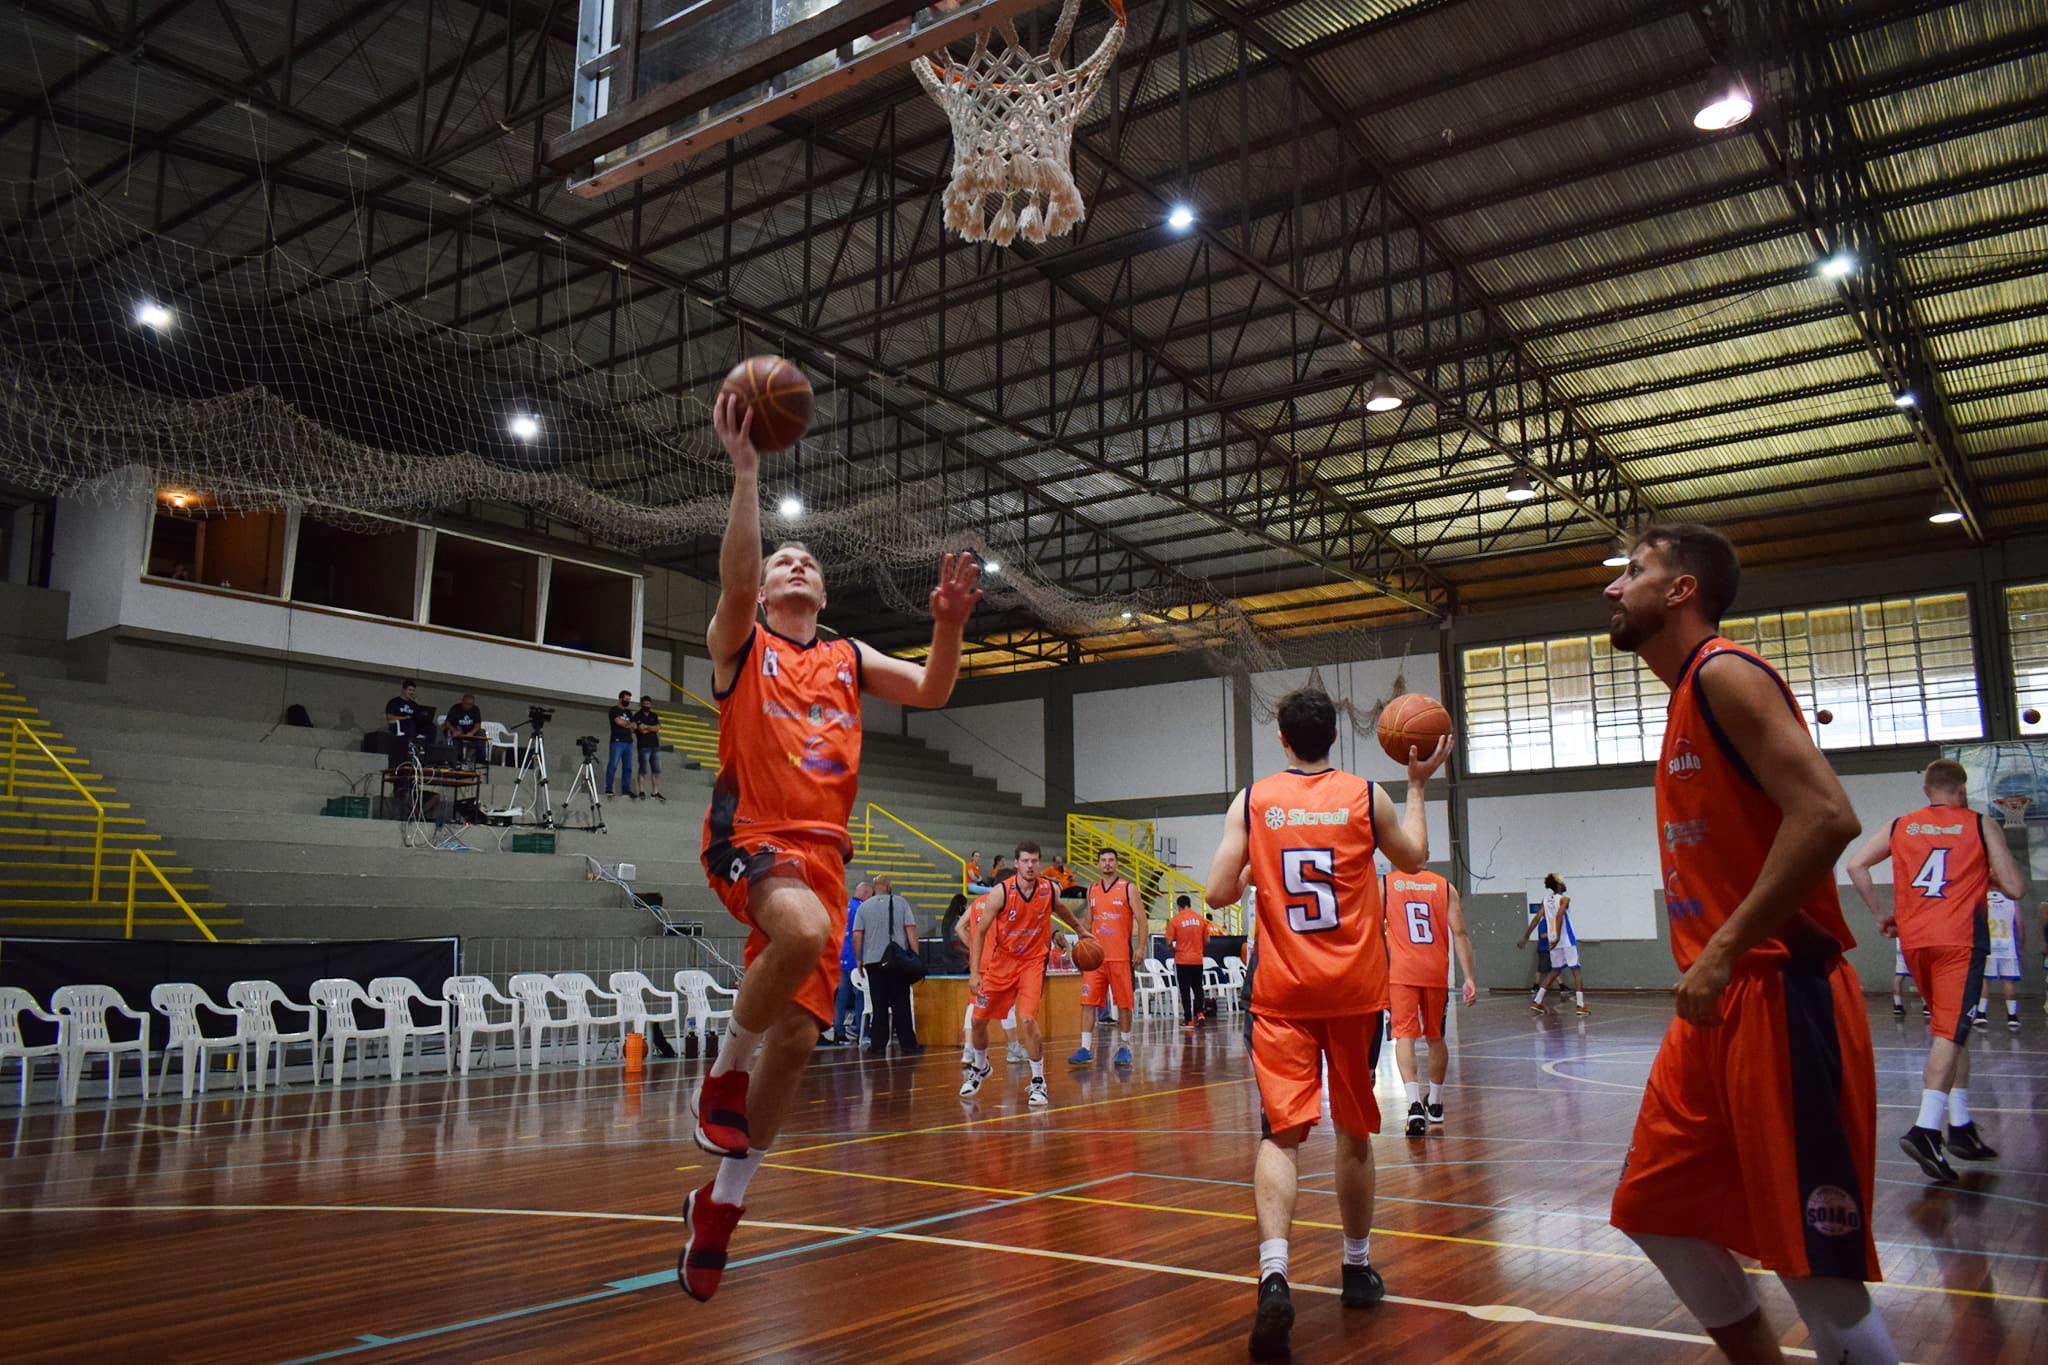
(262, 383)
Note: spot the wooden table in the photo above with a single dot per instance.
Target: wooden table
(941, 1000)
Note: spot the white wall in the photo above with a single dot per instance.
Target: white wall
(1003, 742)
(97, 553)
(1172, 739)
(1603, 843)
(655, 659)
(1367, 684)
(1878, 798)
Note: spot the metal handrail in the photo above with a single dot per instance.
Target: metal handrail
(16, 728)
(867, 835)
(675, 686)
(137, 860)
(1132, 842)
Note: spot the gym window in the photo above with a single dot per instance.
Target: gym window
(2026, 628)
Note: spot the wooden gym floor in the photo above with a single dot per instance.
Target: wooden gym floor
(536, 1216)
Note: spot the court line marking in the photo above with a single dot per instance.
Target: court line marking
(1549, 1068)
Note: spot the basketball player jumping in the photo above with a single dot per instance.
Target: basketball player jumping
(1945, 859)
(1115, 918)
(1017, 929)
(775, 841)
(1319, 994)
(1758, 1128)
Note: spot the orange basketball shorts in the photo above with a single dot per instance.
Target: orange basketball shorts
(1419, 1010)
(1950, 978)
(737, 873)
(1288, 1057)
(1110, 981)
(1020, 985)
(1760, 1134)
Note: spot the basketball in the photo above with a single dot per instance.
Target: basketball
(1412, 720)
(1087, 952)
(2031, 716)
(778, 395)
(1824, 716)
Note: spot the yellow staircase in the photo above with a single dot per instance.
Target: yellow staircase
(70, 856)
(690, 727)
(1134, 842)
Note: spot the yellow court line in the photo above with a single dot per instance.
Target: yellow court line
(414, 1208)
(902, 1180)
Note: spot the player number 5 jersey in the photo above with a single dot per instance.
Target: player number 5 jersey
(1322, 946)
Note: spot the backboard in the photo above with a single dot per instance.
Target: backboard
(658, 81)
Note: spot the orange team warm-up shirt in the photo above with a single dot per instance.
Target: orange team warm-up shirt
(789, 736)
(1110, 906)
(1418, 929)
(1190, 933)
(1716, 826)
(1021, 937)
(1322, 937)
(1941, 878)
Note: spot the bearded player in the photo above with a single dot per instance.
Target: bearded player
(1116, 918)
(775, 841)
(1758, 1130)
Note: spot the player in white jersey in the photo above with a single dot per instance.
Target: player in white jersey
(1902, 979)
(2003, 962)
(1564, 944)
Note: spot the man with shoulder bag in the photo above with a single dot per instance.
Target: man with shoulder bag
(885, 942)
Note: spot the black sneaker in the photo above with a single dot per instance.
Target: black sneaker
(1924, 1146)
(2012, 1023)
(1363, 1287)
(1925, 1013)
(659, 797)
(1274, 1321)
(1983, 1020)
(1965, 1143)
(1898, 1010)
(1418, 1122)
(1436, 1114)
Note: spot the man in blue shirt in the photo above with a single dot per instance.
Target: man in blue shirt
(846, 1009)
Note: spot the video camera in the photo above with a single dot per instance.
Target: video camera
(537, 716)
(588, 744)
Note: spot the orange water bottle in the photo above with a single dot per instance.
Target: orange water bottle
(636, 1053)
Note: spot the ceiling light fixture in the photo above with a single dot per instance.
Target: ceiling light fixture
(1126, 616)
(991, 566)
(154, 315)
(1180, 217)
(1383, 398)
(1838, 266)
(1519, 488)
(1904, 398)
(1945, 513)
(1728, 103)
(791, 506)
(1617, 560)
(524, 425)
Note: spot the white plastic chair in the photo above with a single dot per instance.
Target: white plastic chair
(179, 1002)
(1155, 992)
(398, 994)
(532, 990)
(338, 999)
(496, 738)
(634, 990)
(84, 1010)
(867, 1008)
(258, 1001)
(472, 997)
(1232, 992)
(15, 1002)
(697, 987)
(585, 1008)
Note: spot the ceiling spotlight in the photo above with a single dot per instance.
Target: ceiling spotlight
(1904, 398)
(791, 506)
(1945, 513)
(1383, 398)
(1617, 560)
(1838, 265)
(154, 315)
(991, 566)
(1126, 616)
(1519, 488)
(1180, 217)
(1728, 103)
(177, 499)
(524, 425)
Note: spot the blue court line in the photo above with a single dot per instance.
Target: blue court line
(368, 1341)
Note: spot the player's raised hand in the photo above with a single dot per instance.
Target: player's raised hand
(954, 598)
(1422, 767)
(734, 423)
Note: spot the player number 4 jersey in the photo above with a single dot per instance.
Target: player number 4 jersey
(1322, 945)
(1940, 877)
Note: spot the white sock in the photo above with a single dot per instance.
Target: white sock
(1038, 1069)
(1414, 1092)
(1959, 1107)
(1540, 992)
(1125, 1038)
(2012, 1009)
(978, 1056)
(1933, 1105)
(1086, 1038)
(735, 1173)
(1358, 1250)
(1436, 1093)
(1273, 1257)
(1581, 996)
(736, 1053)
(1897, 1003)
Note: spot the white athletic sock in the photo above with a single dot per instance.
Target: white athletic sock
(1436, 1093)
(736, 1053)
(1959, 1107)
(1125, 1038)
(1358, 1250)
(1933, 1106)
(1273, 1257)
(735, 1173)
(978, 1056)
(1038, 1069)
(1841, 1322)
(1897, 1003)
(2012, 1009)
(1581, 996)
(1414, 1092)
(1086, 1038)
(1540, 993)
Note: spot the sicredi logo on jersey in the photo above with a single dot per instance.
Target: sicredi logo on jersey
(1917, 828)
(1276, 817)
(1413, 886)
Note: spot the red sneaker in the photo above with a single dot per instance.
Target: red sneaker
(702, 1263)
(720, 1108)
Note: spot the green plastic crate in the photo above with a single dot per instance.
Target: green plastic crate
(533, 843)
(350, 807)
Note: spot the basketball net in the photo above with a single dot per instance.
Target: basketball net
(1013, 115)
(2014, 809)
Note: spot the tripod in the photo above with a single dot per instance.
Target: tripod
(533, 763)
(586, 783)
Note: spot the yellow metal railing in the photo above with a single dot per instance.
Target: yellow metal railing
(17, 728)
(675, 686)
(865, 843)
(137, 861)
(1133, 842)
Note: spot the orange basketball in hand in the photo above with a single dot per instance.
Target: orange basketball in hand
(778, 395)
(1087, 952)
(1412, 720)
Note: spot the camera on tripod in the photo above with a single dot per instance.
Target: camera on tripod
(588, 744)
(537, 716)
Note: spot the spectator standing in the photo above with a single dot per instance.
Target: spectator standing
(406, 716)
(647, 730)
(464, 726)
(1189, 930)
(846, 1007)
(620, 762)
(882, 919)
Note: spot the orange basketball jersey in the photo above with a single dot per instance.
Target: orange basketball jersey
(1418, 929)
(788, 742)
(1941, 878)
(1322, 945)
(1716, 825)
(1110, 906)
(1020, 937)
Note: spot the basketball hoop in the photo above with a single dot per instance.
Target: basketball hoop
(2014, 809)
(1013, 115)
